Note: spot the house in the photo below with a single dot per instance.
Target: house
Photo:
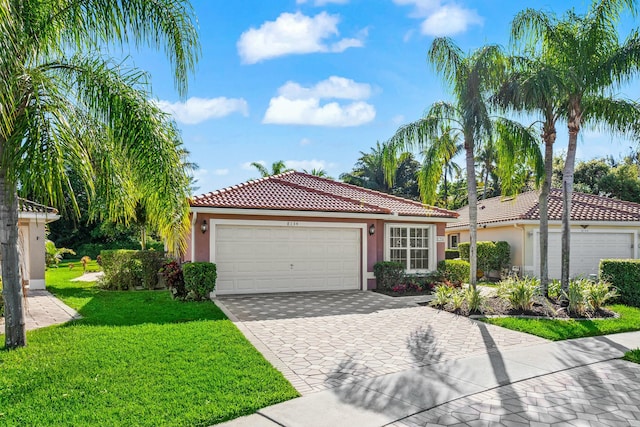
(600, 228)
(32, 218)
(298, 232)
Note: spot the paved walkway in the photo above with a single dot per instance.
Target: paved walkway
(43, 309)
(440, 369)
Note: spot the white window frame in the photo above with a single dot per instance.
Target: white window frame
(432, 247)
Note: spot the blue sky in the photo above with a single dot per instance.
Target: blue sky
(316, 82)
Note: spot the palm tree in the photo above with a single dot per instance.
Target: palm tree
(588, 64)
(369, 171)
(470, 76)
(277, 168)
(441, 151)
(318, 172)
(64, 105)
(531, 87)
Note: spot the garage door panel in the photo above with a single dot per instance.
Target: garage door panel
(285, 259)
(587, 249)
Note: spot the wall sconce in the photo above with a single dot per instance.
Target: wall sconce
(203, 226)
(372, 229)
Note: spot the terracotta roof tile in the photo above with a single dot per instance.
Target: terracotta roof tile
(303, 192)
(27, 206)
(584, 207)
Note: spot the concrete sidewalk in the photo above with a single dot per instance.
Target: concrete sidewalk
(575, 381)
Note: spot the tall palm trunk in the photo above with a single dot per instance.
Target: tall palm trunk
(473, 212)
(446, 192)
(575, 117)
(15, 333)
(549, 138)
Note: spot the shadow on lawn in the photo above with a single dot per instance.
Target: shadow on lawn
(127, 308)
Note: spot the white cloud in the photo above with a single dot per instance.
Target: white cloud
(294, 33)
(197, 110)
(305, 141)
(441, 19)
(221, 172)
(333, 87)
(298, 105)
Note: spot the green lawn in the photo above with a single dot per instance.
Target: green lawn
(633, 356)
(137, 358)
(565, 329)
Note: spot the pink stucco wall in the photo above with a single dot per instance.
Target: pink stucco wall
(375, 243)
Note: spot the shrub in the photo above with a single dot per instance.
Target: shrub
(597, 294)
(457, 299)
(199, 279)
(442, 296)
(85, 260)
(492, 256)
(519, 292)
(475, 300)
(576, 296)
(555, 289)
(151, 263)
(624, 275)
(388, 274)
(455, 270)
(53, 255)
(451, 254)
(172, 273)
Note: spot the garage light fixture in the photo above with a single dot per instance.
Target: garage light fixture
(203, 226)
(372, 230)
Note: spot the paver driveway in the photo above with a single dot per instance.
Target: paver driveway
(321, 340)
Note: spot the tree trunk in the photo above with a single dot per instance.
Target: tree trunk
(446, 193)
(473, 213)
(549, 138)
(567, 191)
(15, 332)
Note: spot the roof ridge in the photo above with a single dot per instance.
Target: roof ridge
(336, 196)
(378, 193)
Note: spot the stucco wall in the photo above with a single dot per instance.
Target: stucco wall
(375, 242)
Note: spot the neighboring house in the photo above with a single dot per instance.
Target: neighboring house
(600, 228)
(32, 219)
(298, 232)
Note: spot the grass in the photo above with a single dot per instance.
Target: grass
(136, 358)
(633, 356)
(557, 330)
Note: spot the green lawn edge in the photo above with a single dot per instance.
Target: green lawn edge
(632, 356)
(557, 330)
(135, 358)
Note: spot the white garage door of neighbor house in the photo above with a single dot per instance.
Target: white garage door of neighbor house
(587, 249)
(257, 259)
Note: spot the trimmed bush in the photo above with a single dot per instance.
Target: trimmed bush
(624, 275)
(455, 270)
(128, 269)
(388, 274)
(451, 254)
(94, 249)
(199, 279)
(492, 256)
(174, 279)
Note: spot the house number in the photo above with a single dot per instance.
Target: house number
(292, 223)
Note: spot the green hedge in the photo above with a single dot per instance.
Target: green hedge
(455, 270)
(451, 254)
(624, 275)
(492, 256)
(199, 279)
(128, 269)
(388, 274)
(94, 249)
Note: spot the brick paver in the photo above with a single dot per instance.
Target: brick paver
(324, 339)
(602, 394)
(43, 309)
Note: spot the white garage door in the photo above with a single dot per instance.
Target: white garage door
(256, 259)
(587, 249)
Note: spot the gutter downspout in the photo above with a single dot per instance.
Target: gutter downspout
(193, 236)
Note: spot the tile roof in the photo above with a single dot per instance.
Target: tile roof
(299, 191)
(27, 206)
(584, 207)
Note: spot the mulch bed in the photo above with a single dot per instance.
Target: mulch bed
(542, 307)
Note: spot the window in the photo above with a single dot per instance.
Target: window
(453, 241)
(410, 246)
